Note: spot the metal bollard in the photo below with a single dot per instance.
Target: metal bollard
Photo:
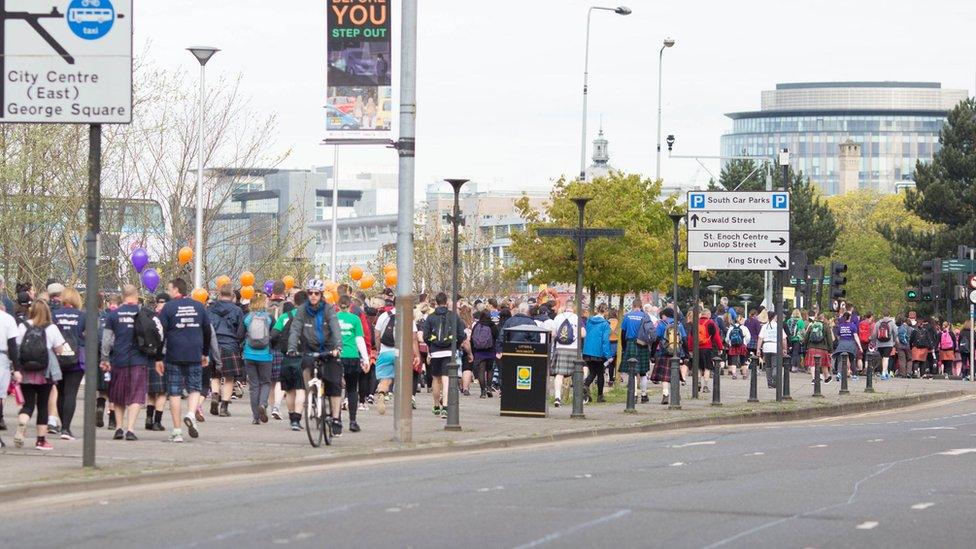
(816, 380)
(631, 387)
(786, 381)
(578, 391)
(842, 367)
(873, 358)
(453, 396)
(674, 402)
(717, 385)
(753, 379)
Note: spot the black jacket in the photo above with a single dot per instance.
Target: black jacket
(441, 314)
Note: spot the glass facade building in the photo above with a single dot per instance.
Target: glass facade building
(893, 124)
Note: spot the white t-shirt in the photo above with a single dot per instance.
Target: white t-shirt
(8, 329)
(51, 333)
(768, 336)
(381, 322)
(558, 321)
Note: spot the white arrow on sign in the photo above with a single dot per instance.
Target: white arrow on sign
(734, 221)
(739, 241)
(741, 261)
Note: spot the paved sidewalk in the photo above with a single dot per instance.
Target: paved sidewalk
(234, 444)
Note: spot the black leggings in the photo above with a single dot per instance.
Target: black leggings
(353, 391)
(68, 396)
(485, 369)
(36, 395)
(596, 372)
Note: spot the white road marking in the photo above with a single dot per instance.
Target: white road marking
(958, 452)
(393, 510)
(867, 525)
(582, 526)
(818, 446)
(943, 428)
(920, 506)
(757, 454)
(483, 489)
(677, 464)
(876, 440)
(702, 443)
(931, 436)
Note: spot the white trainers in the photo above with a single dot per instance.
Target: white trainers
(177, 436)
(381, 404)
(363, 407)
(191, 426)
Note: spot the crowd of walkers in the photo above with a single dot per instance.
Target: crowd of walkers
(171, 351)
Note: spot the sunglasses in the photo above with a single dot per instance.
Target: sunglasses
(314, 293)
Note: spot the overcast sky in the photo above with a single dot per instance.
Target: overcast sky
(499, 82)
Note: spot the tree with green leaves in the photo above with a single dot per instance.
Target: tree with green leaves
(944, 196)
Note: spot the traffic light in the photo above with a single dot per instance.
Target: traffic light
(837, 281)
(911, 294)
(931, 285)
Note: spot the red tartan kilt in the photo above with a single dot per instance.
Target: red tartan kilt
(661, 373)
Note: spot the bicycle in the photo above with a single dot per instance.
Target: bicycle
(318, 412)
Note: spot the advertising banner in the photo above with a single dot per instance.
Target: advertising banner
(359, 91)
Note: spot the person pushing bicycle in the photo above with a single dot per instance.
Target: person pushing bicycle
(316, 336)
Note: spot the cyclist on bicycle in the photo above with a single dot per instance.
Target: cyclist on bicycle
(315, 335)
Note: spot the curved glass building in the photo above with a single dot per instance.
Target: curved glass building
(846, 135)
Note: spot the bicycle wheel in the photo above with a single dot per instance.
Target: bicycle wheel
(313, 418)
(326, 423)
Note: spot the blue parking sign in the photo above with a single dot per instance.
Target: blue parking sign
(781, 201)
(696, 201)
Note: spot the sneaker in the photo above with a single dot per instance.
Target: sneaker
(853, 378)
(645, 399)
(157, 426)
(130, 436)
(262, 414)
(345, 404)
(296, 425)
(149, 422)
(370, 399)
(466, 393)
(443, 413)
(557, 403)
(191, 427)
(275, 413)
(704, 388)
(224, 409)
(66, 435)
(664, 400)
(826, 379)
(100, 415)
(336, 427)
(600, 398)
(363, 407)
(119, 434)
(20, 435)
(437, 410)
(413, 403)
(214, 407)
(53, 429)
(177, 436)
(381, 405)
(255, 421)
(354, 427)
(490, 394)
(43, 446)
(199, 415)
(111, 422)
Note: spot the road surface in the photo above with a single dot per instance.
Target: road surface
(888, 479)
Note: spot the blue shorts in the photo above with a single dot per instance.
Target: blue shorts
(188, 373)
(384, 365)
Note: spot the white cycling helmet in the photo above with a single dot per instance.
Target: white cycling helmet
(316, 285)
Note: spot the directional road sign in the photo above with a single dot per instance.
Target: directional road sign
(66, 61)
(745, 231)
(588, 234)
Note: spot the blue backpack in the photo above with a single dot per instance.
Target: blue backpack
(735, 336)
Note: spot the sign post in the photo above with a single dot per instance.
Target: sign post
(738, 231)
(71, 67)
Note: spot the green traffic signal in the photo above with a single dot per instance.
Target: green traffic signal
(911, 295)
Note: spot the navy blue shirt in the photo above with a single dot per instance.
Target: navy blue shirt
(122, 323)
(183, 323)
(71, 319)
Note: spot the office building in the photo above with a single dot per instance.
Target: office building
(892, 124)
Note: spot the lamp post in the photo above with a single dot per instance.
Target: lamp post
(715, 289)
(453, 390)
(620, 10)
(202, 54)
(578, 369)
(746, 299)
(668, 42)
(676, 217)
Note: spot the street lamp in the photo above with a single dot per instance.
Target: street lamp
(676, 217)
(668, 42)
(746, 298)
(202, 54)
(453, 390)
(621, 10)
(715, 289)
(580, 251)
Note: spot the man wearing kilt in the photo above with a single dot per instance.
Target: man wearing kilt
(156, 386)
(628, 334)
(127, 390)
(665, 352)
(228, 323)
(566, 335)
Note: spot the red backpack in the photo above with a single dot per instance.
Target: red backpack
(864, 331)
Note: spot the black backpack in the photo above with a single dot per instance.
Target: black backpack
(388, 336)
(566, 335)
(146, 334)
(281, 338)
(33, 351)
(71, 340)
(441, 330)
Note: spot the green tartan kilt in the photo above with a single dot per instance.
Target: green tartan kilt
(643, 356)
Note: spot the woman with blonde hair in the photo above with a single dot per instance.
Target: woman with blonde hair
(258, 357)
(70, 319)
(37, 370)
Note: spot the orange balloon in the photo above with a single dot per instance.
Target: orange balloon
(355, 272)
(367, 282)
(331, 286)
(221, 280)
(289, 282)
(390, 279)
(330, 297)
(247, 278)
(247, 292)
(200, 295)
(185, 255)
(388, 267)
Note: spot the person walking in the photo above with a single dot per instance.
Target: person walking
(37, 370)
(129, 366)
(442, 328)
(818, 341)
(187, 347)
(629, 328)
(70, 319)
(902, 347)
(794, 327)
(291, 378)
(257, 357)
(598, 353)
(276, 307)
(670, 336)
(947, 349)
(847, 335)
(228, 323)
(738, 338)
(8, 358)
(354, 357)
(484, 335)
(709, 345)
(965, 348)
(884, 336)
(767, 345)
(566, 337)
(156, 384)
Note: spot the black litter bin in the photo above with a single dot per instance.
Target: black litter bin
(525, 371)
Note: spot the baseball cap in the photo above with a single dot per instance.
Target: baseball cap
(55, 288)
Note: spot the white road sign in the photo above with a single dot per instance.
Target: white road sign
(66, 61)
(747, 231)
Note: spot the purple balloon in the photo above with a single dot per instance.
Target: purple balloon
(150, 279)
(268, 286)
(140, 258)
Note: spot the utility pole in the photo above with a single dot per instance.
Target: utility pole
(777, 307)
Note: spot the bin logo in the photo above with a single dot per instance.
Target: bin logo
(90, 19)
(523, 378)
